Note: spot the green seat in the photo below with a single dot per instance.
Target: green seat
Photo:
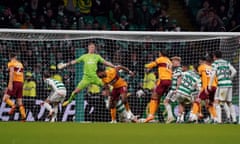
(88, 19)
(102, 20)
(194, 6)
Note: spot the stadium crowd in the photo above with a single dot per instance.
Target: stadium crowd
(145, 15)
(85, 15)
(103, 15)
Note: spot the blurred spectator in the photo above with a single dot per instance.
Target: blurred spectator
(212, 22)
(174, 26)
(34, 5)
(85, 6)
(153, 24)
(222, 13)
(70, 6)
(30, 91)
(232, 25)
(21, 15)
(5, 17)
(131, 12)
(203, 12)
(143, 16)
(27, 23)
(115, 12)
(100, 7)
(164, 19)
(124, 25)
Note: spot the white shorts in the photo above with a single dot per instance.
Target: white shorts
(185, 99)
(224, 94)
(171, 96)
(55, 97)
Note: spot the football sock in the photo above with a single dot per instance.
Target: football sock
(47, 106)
(195, 108)
(153, 106)
(120, 107)
(227, 110)
(113, 113)
(212, 111)
(127, 106)
(55, 109)
(9, 102)
(22, 111)
(219, 113)
(233, 113)
(169, 110)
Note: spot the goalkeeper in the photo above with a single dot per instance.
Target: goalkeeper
(90, 61)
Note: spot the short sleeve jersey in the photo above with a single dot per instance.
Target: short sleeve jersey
(205, 72)
(114, 79)
(191, 82)
(18, 75)
(223, 72)
(164, 67)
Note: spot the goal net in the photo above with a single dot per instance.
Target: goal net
(42, 50)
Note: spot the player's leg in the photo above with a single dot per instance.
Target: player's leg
(8, 101)
(124, 98)
(161, 88)
(181, 113)
(124, 116)
(231, 106)
(210, 105)
(55, 109)
(195, 111)
(153, 106)
(218, 106)
(223, 91)
(48, 106)
(19, 92)
(81, 85)
(168, 107)
(113, 110)
(183, 100)
(21, 109)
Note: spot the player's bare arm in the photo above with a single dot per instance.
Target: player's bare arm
(10, 82)
(107, 63)
(120, 67)
(63, 65)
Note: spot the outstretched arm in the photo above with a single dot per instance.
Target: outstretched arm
(125, 69)
(107, 63)
(63, 65)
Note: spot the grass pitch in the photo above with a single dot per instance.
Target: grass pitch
(120, 133)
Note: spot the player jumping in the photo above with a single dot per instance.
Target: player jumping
(57, 95)
(90, 60)
(110, 77)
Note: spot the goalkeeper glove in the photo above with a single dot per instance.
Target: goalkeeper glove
(61, 65)
(65, 103)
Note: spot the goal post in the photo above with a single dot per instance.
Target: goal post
(42, 50)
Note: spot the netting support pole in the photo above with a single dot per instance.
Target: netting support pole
(79, 108)
(238, 89)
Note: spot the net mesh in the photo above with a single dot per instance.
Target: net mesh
(41, 51)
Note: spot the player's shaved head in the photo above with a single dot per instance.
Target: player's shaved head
(46, 74)
(12, 55)
(164, 52)
(217, 54)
